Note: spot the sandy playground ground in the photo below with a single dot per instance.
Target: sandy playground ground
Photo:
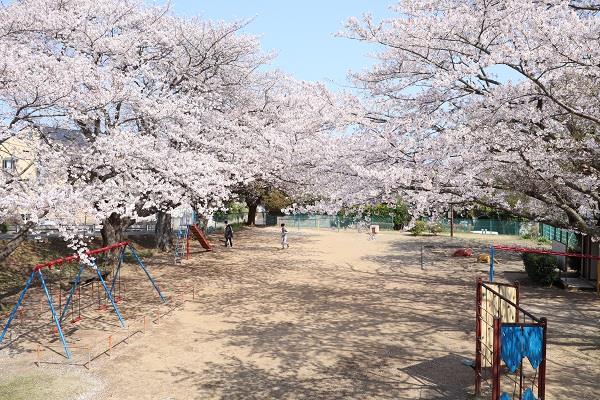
(334, 317)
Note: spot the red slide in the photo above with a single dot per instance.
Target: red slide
(200, 237)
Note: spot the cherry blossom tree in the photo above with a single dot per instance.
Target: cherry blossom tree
(151, 95)
(493, 102)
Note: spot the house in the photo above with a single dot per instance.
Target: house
(18, 154)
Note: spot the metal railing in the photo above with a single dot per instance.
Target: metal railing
(497, 305)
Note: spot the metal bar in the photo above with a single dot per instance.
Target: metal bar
(141, 263)
(542, 367)
(77, 257)
(54, 316)
(117, 270)
(542, 251)
(108, 294)
(491, 262)
(16, 306)
(511, 303)
(71, 292)
(496, 361)
(478, 341)
(187, 243)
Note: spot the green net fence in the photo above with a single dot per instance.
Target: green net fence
(491, 225)
(563, 236)
(312, 221)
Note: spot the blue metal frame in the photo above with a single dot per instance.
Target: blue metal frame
(71, 292)
(54, 316)
(492, 251)
(114, 305)
(17, 305)
(141, 263)
(57, 319)
(117, 270)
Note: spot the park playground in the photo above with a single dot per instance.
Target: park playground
(336, 316)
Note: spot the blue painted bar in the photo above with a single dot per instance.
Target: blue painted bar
(16, 306)
(54, 316)
(492, 263)
(108, 294)
(117, 270)
(71, 292)
(140, 262)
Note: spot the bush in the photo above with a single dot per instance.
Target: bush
(541, 268)
(543, 240)
(436, 228)
(419, 228)
(3, 227)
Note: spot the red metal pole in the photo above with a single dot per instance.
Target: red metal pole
(478, 337)
(542, 369)
(496, 361)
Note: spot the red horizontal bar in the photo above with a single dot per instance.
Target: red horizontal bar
(542, 251)
(76, 257)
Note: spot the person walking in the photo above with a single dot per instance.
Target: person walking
(284, 233)
(228, 234)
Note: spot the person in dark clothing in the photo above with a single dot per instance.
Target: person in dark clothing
(228, 234)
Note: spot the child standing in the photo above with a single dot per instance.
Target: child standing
(284, 242)
(228, 234)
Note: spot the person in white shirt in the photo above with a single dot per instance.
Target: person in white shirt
(284, 242)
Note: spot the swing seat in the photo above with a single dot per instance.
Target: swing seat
(118, 299)
(76, 320)
(103, 307)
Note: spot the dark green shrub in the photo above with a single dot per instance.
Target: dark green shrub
(3, 227)
(541, 268)
(419, 228)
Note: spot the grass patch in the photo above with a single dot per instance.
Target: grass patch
(41, 387)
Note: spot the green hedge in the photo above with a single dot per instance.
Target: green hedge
(541, 268)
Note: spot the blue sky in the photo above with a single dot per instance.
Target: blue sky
(300, 32)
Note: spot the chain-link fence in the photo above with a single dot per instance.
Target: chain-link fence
(486, 225)
(334, 222)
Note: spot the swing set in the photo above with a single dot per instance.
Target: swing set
(75, 291)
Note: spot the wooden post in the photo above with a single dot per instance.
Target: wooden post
(194, 292)
(145, 324)
(89, 358)
(109, 343)
(37, 355)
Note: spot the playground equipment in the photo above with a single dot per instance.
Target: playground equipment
(507, 333)
(200, 237)
(182, 245)
(76, 286)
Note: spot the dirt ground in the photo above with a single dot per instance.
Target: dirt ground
(335, 316)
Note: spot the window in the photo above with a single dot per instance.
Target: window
(8, 165)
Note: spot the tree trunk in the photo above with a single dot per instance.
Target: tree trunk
(14, 243)
(163, 231)
(113, 229)
(251, 213)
